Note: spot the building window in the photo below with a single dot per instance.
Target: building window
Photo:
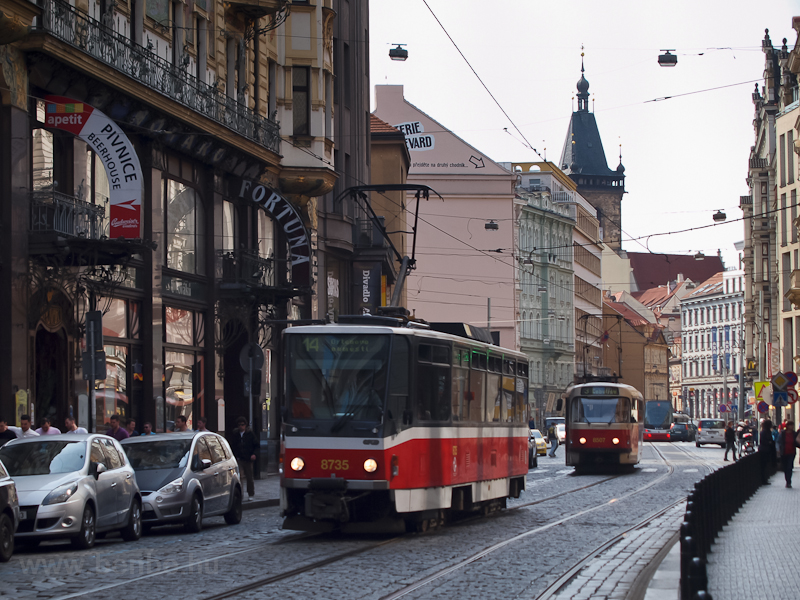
(184, 215)
(782, 160)
(790, 163)
(184, 364)
(300, 100)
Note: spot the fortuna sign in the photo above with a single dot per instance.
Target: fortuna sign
(286, 214)
(115, 150)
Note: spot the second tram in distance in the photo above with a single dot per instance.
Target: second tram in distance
(604, 425)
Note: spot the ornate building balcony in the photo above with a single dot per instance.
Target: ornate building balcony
(141, 64)
(56, 213)
(239, 269)
(793, 293)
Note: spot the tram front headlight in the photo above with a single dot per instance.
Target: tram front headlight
(615, 441)
(370, 465)
(582, 440)
(297, 464)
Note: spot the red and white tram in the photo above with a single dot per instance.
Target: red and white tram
(390, 424)
(604, 425)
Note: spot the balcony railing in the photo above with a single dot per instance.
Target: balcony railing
(77, 29)
(245, 267)
(66, 215)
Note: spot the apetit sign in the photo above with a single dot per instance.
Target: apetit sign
(117, 154)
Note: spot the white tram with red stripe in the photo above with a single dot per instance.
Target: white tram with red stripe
(390, 424)
(604, 425)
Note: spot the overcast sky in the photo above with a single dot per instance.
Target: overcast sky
(684, 157)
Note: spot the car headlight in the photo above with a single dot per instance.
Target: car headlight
(297, 464)
(370, 465)
(173, 487)
(582, 440)
(61, 494)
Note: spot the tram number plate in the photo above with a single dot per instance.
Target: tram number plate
(598, 440)
(330, 464)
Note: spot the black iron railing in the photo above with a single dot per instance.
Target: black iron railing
(77, 29)
(66, 215)
(245, 267)
(715, 499)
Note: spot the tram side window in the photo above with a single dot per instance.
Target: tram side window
(494, 391)
(398, 409)
(477, 388)
(636, 410)
(461, 393)
(433, 383)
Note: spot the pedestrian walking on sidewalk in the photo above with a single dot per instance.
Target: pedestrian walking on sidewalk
(244, 446)
(730, 441)
(552, 435)
(787, 442)
(766, 450)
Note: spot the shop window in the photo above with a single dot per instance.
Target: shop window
(230, 227)
(185, 228)
(183, 385)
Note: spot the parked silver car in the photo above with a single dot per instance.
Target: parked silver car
(73, 486)
(9, 514)
(185, 477)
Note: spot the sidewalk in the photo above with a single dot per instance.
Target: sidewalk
(268, 492)
(746, 561)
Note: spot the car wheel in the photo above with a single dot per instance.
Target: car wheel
(85, 539)
(6, 538)
(234, 515)
(194, 523)
(133, 530)
(697, 444)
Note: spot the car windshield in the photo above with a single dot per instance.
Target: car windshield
(43, 457)
(712, 424)
(678, 426)
(160, 454)
(536, 433)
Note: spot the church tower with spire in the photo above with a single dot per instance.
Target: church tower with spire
(584, 160)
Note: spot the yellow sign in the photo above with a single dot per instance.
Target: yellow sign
(763, 391)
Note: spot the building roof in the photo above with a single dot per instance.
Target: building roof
(652, 270)
(586, 155)
(657, 297)
(712, 285)
(377, 125)
(630, 315)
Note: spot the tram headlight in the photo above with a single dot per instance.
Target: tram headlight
(370, 465)
(615, 441)
(582, 440)
(297, 464)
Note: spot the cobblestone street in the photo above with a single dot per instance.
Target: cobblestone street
(560, 520)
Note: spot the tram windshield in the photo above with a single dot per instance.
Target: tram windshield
(337, 377)
(600, 410)
(657, 415)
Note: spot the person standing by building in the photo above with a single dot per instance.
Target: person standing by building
(787, 443)
(244, 446)
(117, 432)
(201, 424)
(71, 427)
(24, 430)
(766, 450)
(147, 429)
(730, 441)
(130, 427)
(181, 424)
(552, 435)
(47, 429)
(6, 434)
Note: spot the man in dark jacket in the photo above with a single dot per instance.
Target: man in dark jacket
(244, 446)
(730, 441)
(766, 451)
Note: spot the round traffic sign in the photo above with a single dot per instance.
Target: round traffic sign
(251, 352)
(792, 393)
(763, 407)
(792, 377)
(723, 408)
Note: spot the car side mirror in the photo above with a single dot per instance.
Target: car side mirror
(205, 463)
(98, 469)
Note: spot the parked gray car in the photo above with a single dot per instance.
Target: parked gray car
(185, 477)
(73, 486)
(9, 514)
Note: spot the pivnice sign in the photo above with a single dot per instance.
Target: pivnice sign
(287, 216)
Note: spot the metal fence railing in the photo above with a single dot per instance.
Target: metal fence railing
(712, 503)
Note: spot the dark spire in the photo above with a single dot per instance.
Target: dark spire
(620, 168)
(583, 89)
